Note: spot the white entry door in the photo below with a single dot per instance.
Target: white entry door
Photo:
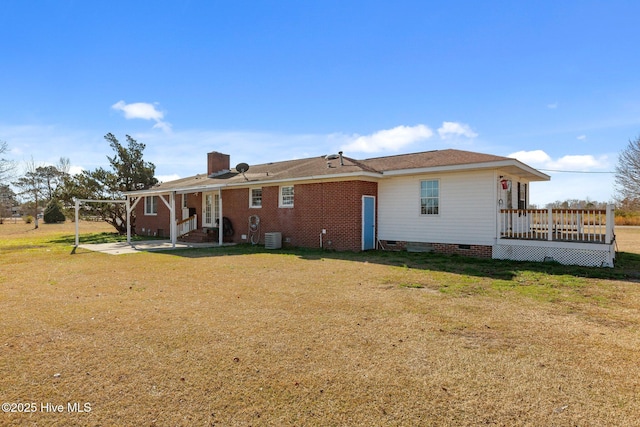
(209, 209)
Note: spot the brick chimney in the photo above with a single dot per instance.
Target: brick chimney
(217, 163)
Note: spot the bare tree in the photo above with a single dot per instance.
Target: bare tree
(64, 166)
(7, 201)
(32, 185)
(7, 167)
(628, 172)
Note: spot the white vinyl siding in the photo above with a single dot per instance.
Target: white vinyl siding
(466, 212)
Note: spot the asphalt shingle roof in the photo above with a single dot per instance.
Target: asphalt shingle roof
(319, 167)
(429, 159)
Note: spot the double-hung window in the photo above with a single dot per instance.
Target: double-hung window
(255, 198)
(286, 196)
(151, 205)
(430, 197)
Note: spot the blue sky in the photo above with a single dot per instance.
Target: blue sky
(553, 83)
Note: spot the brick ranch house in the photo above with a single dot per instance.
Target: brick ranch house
(448, 201)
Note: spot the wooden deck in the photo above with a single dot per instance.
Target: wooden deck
(556, 236)
(568, 236)
(558, 225)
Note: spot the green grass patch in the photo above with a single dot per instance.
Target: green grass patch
(411, 285)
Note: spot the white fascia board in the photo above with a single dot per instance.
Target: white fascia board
(177, 190)
(213, 187)
(333, 177)
(469, 167)
(543, 176)
(200, 189)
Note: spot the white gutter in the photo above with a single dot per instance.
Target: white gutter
(216, 186)
(470, 166)
(306, 178)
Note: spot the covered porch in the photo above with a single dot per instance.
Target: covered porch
(189, 211)
(569, 236)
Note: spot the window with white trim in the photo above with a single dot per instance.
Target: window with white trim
(184, 201)
(430, 197)
(286, 196)
(151, 205)
(255, 198)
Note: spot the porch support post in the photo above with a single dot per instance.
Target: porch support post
(77, 203)
(128, 208)
(221, 221)
(550, 223)
(610, 224)
(499, 223)
(173, 226)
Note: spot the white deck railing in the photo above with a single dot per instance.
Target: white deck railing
(187, 225)
(569, 225)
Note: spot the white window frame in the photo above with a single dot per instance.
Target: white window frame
(184, 201)
(151, 205)
(286, 200)
(251, 199)
(426, 197)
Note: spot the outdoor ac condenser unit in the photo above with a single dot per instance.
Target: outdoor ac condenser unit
(273, 240)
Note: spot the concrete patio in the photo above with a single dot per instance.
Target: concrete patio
(120, 248)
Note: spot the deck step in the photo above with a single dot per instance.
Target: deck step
(419, 247)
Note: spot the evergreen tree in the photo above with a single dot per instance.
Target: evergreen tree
(53, 212)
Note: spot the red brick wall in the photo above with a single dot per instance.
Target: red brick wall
(153, 225)
(333, 206)
(159, 224)
(478, 251)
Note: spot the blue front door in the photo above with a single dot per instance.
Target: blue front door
(368, 222)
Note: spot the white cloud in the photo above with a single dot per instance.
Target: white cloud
(552, 106)
(450, 130)
(580, 162)
(167, 178)
(75, 170)
(533, 158)
(576, 162)
(564, 186)
(144, 111)
(582, 137)
(388, 139)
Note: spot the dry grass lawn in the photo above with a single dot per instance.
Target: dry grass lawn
(241, 336)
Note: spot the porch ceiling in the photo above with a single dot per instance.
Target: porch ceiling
(525, 172)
